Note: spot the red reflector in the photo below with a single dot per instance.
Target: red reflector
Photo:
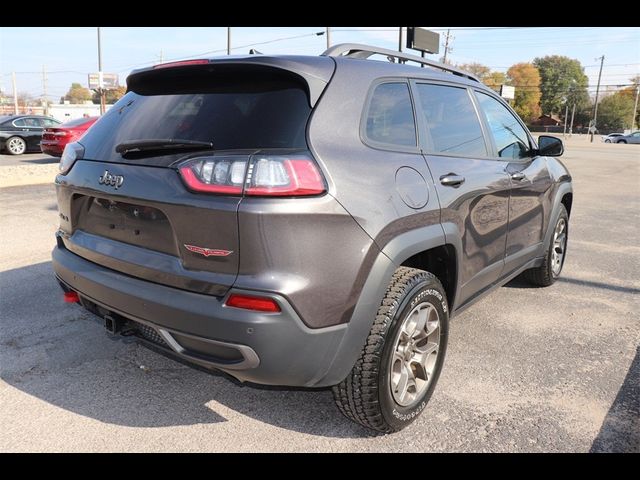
(182, 63)
(249, 302)
(71, 297)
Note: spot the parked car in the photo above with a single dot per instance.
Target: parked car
(611, 137)
(22, 133)
(631, 138)
(54, 139)
(308, 220)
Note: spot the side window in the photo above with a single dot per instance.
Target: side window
(390, 116)
(48, 122)
(510, 138)
(19, 123)
(452, 120)
(32, 122)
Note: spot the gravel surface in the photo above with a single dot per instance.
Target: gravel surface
(527, 369)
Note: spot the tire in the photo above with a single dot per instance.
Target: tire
(15, 145)
(621, 141)
(546, 274)
(413, 297)
(607, 141)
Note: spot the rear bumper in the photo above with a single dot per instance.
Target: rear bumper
(51, 147)
(266, 348)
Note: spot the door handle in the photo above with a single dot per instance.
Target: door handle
(518, 176)
(451, 180)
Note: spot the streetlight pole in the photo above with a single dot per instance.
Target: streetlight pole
(635, 108)
(595, 108)
(228, 40)
(328, 33)
(15, 92)
(100, 80)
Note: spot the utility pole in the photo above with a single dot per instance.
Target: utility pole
(44, 89)
(228, 40)
(15, 92)
(635, 108)
(328, 34)
(100, 81)
(400, 39)
(446, 46)
(595, 107)
(573, 111)
(566, 114)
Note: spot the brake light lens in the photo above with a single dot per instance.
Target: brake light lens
(250, 302)
(182, 63)
(257, 175)
(224, 175)
(284, 176)
(71, 153)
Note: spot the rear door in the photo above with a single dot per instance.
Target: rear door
(473, 188)
(133, 213)
(530, 201)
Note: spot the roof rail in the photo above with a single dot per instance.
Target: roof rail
(357, 50)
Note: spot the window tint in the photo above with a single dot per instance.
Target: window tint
(32, 122)
(232, 116)
(451, 120)
(510, 138)
(20, 122)
(390, 116)
(49, 122)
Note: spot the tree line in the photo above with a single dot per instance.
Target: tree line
(549, 84)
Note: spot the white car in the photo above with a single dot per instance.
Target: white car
(611, 138)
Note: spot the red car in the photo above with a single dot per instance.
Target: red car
(56, 138)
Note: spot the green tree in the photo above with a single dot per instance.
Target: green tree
(562, 79)
(111, 96)
(495, 80)
(77, 94)
(476, 68)
(526, 80)
(614, 111)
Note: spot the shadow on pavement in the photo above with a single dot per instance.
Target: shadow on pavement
(520, 282)
(620, 431)
(43, 160)
(62, 355)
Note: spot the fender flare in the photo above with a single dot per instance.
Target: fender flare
(388, 260)
(563, 189)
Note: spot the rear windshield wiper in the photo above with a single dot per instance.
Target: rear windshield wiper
(155, 145)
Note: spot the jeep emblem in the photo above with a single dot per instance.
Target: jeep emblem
(111, 179)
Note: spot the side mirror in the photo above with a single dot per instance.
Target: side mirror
(550, 146)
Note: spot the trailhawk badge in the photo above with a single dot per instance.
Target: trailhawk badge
(208, 252)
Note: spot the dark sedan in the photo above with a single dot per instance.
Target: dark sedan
(22, 133)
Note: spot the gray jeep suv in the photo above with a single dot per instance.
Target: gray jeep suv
(308, 221)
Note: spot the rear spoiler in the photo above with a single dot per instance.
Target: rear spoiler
(314, 71)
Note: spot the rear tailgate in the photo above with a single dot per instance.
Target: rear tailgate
(134, 214)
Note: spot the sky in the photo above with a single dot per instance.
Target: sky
(68, 54)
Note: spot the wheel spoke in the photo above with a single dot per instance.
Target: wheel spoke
(415, 353)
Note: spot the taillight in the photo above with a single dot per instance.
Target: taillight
(71, 153)
(284, 176)
(257, 175)
(213, 174)
(251, 302)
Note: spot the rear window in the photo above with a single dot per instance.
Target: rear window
(246, 112)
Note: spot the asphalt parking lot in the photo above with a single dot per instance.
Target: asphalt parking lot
(527, 369)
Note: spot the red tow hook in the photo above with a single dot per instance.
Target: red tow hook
(71, 297)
